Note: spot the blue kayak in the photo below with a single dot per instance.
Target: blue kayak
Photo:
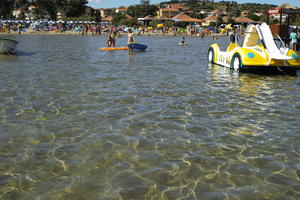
(137, 46)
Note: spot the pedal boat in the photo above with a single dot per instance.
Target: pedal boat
(259, 51)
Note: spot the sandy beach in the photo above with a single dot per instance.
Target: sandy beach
(90, 34)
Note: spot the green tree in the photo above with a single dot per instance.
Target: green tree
(118, 18)
(297, 22)
(46, 7)
(142, 10)
(145, 2)
(6, 8)
(263, 18)
(96, 15)
(71, 8)
(23, 5)
(129, 22)
(230, 19)
(75, 8)
(253, 17)
(219, 21)
(192, 3)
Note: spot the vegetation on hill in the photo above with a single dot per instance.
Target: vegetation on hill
(71, 8)
(77, 9)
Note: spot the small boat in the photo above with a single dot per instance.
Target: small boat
(137, 46)
(8, 46)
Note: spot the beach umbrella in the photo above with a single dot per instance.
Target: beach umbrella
(159, 25)
(228, 26)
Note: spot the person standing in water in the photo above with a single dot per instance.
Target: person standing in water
(130, 39)
(293, 38)
(111, 41)
(234, 36)
(19, 28)
(130, 36)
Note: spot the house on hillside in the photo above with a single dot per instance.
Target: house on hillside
(146, 20)
(244, 13)
(17, 13)
(185, 18)
(259, 14)
(167, 12)
(60, 15)
(106, 12)
(210, 21)
(243, 21)
(121, 10)
(216, 13)
(179, 6)
(276, 16)
(30, 14)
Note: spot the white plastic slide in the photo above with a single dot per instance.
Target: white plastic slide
(271, 47)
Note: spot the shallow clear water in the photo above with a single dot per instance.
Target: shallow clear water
(79, 123)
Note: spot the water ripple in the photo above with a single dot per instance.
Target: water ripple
(78, 123)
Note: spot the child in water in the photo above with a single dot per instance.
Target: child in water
(182, 42)
(130, 36)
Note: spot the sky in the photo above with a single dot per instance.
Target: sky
(118, 3)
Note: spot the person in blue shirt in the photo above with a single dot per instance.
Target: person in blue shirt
(293, 38)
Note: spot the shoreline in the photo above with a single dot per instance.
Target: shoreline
(105, 34)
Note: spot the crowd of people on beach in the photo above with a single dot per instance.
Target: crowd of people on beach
(59, 27)
(113, 32)
(93, 28)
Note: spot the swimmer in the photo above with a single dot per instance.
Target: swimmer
(182, 42)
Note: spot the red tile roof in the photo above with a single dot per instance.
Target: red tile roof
(170, 9)
(243, 20)
(211, 18)
(122, 9)
(186, 18)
